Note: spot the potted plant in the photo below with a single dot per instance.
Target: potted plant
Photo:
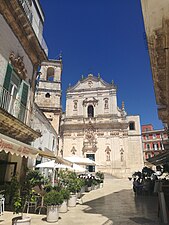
(66, 195)
(100, 176)
(72, 187)
(22, 193)
(80, 185)
(52, 200)
(88, 183)
(18, 204)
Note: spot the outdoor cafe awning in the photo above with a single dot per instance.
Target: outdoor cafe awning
(10, 145)
(160, 159)
(49, 154)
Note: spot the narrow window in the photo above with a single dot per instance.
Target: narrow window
(50, 74)
(148, 147)
(90, 111)
(131, 126)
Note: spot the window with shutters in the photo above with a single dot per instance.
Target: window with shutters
(15, 94)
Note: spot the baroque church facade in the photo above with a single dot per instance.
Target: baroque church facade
(93, 126)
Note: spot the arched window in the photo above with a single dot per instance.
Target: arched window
(90, 111)
(50, 74)
(131, 125)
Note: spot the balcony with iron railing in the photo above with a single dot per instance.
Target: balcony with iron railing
(13, 106)
(35, 23)
(15, 118)
(27, 8)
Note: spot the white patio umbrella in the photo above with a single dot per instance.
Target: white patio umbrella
(78, 168)
(80, 160)
(53, 165)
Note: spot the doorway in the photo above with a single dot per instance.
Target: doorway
(92, 157)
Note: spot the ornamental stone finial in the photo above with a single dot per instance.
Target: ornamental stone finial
(123, 106)
(60, 55)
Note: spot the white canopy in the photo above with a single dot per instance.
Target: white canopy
(78, 168)
(53, 165)
(80, 160)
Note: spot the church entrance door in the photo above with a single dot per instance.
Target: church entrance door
(92, 157)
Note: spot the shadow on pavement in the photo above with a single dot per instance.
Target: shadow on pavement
(125, 208)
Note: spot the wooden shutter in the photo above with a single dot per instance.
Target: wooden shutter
(24, 95)
(8, 77)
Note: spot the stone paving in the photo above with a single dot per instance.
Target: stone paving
(114, 204)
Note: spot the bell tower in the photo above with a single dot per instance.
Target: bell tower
(48, 95)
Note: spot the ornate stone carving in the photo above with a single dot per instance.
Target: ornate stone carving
(89, 143)
(75, 105)
(121, 154)
(106, 103)
(73, 150)
(92, 101)
(18, 65)
(108, 150)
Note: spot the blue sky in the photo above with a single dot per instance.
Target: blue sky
(106, 37)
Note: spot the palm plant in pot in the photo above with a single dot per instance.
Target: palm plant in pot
(53, 200)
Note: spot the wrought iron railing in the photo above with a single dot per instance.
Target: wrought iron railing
(27, 8)
(13, 105)
(34, 23)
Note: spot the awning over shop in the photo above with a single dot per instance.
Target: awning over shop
(47, 153)
(16, 147)
(160, 159)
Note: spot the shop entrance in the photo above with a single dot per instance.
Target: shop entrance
(4, 167)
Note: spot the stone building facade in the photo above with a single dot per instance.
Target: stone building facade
(94, 126)
(21, 52)
(153, 141)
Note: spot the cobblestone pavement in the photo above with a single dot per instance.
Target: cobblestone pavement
(114, 204)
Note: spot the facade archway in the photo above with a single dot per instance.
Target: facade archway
(50, 74)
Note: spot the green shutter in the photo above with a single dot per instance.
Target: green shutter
(8, 77)
(24, 95)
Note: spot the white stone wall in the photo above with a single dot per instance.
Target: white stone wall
(9, 44)
(99, 108)
(135, 144)
(154, 11)
(41, 123)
